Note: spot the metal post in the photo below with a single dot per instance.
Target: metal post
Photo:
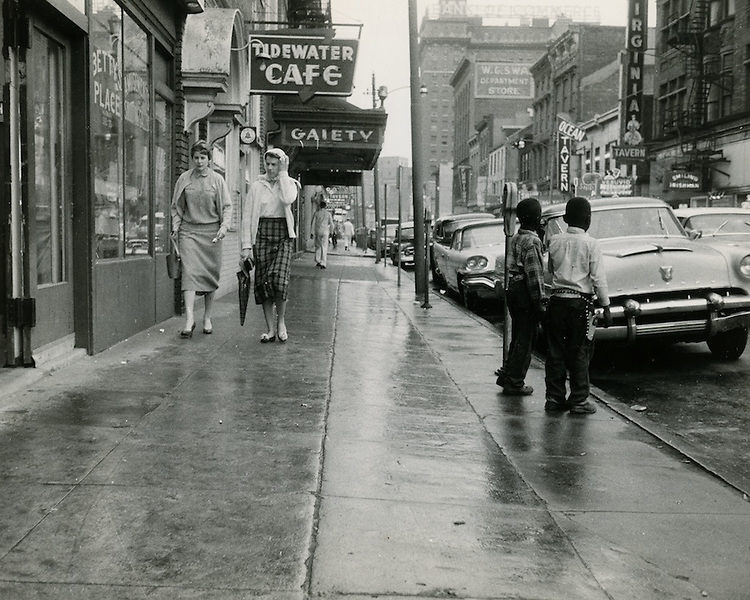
(420, 276)
(376, 182)
(385, 224)
(16, 214)
(397, 239)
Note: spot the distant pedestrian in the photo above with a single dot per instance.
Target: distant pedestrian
(524, 297)
(336, 234)
(575, 262)
(348, 233)
(201, 214)
(267, 232)
(321, 228)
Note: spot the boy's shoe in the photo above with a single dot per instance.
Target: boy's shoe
(525, 390)
(583, 408)
(554, 406)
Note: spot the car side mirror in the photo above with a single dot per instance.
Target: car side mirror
(694, 234)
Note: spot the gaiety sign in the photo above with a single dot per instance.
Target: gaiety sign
(290, 64)
(330, 136)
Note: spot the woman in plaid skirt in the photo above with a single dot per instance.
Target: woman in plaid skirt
(267, 231)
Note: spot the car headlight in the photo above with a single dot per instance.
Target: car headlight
(476, 263)
(745, 266)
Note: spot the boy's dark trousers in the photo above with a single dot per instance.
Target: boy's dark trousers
(568, 350)
(524, 324)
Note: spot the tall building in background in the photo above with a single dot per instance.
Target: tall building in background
(455, 31)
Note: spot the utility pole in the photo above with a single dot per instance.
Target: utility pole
(420, 273)
(376, 183)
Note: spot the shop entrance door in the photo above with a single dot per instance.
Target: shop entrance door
(49, 158)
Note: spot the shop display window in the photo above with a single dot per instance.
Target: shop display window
(131, 187)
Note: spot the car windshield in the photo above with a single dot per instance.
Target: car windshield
(475, 237)
(719, 224)
(627, 222)
(407, 234)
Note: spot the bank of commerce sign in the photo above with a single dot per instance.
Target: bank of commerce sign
(291, 64)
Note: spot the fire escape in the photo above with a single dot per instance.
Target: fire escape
(309, 14)
(700, 46)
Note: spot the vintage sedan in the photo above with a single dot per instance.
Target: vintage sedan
(442, 236)
(402, 247)
(663, 285)
(716, 224)
(467, 265)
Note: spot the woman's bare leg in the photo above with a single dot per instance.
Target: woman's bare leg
(208, 303)
(281, 310)
(188, 298)
(270, 320)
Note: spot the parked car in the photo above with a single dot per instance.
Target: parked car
(403, 244)
(663, 285)
(716, 224)
(442, 236)
(387, 233)
(467, 265)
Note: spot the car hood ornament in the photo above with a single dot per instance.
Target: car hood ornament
(666, 273)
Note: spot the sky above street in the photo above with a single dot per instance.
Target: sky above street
(384, 51)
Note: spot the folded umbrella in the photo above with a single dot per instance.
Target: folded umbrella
(244, 281)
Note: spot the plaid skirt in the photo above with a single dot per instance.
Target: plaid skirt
(273, 260)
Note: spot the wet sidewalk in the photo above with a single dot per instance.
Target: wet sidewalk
(370, 455)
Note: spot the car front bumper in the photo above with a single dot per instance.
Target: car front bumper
(483, 284)
(694, 319)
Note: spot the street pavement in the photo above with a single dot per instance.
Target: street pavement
(371, 455)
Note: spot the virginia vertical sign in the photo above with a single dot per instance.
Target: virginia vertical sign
(632, 148)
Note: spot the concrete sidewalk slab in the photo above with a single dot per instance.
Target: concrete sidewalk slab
(370, 455)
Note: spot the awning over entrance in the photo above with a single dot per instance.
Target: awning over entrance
(214, 75)
(328, 134)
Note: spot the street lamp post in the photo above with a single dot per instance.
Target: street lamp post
(420, 273)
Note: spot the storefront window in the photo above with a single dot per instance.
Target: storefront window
(136, 138)
(131, 186)
(106, 126)
(163, 113)
(49, 183)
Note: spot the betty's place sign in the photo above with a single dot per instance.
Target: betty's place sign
(290, 64)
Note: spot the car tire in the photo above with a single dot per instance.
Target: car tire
(729, 345)
(438, 280)
(467, 297)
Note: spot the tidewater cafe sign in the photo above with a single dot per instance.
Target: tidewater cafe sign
(290, 64)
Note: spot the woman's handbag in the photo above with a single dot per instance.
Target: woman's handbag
(174, 262)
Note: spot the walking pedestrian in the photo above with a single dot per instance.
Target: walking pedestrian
(267, 232)
(348, 229)
(321, 228)
(201, 213)
(524, 296)
(575, 262)
(335, 234)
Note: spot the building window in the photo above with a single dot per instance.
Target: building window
(131, 187)
(719, 10)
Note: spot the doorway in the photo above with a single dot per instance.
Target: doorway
(50, 178)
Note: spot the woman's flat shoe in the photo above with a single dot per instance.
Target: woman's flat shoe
(265, 338)
(208, 331)
(186, 334)
(283, 335)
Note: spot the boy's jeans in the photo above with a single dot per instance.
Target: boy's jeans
(568, 350)
(524, 325)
